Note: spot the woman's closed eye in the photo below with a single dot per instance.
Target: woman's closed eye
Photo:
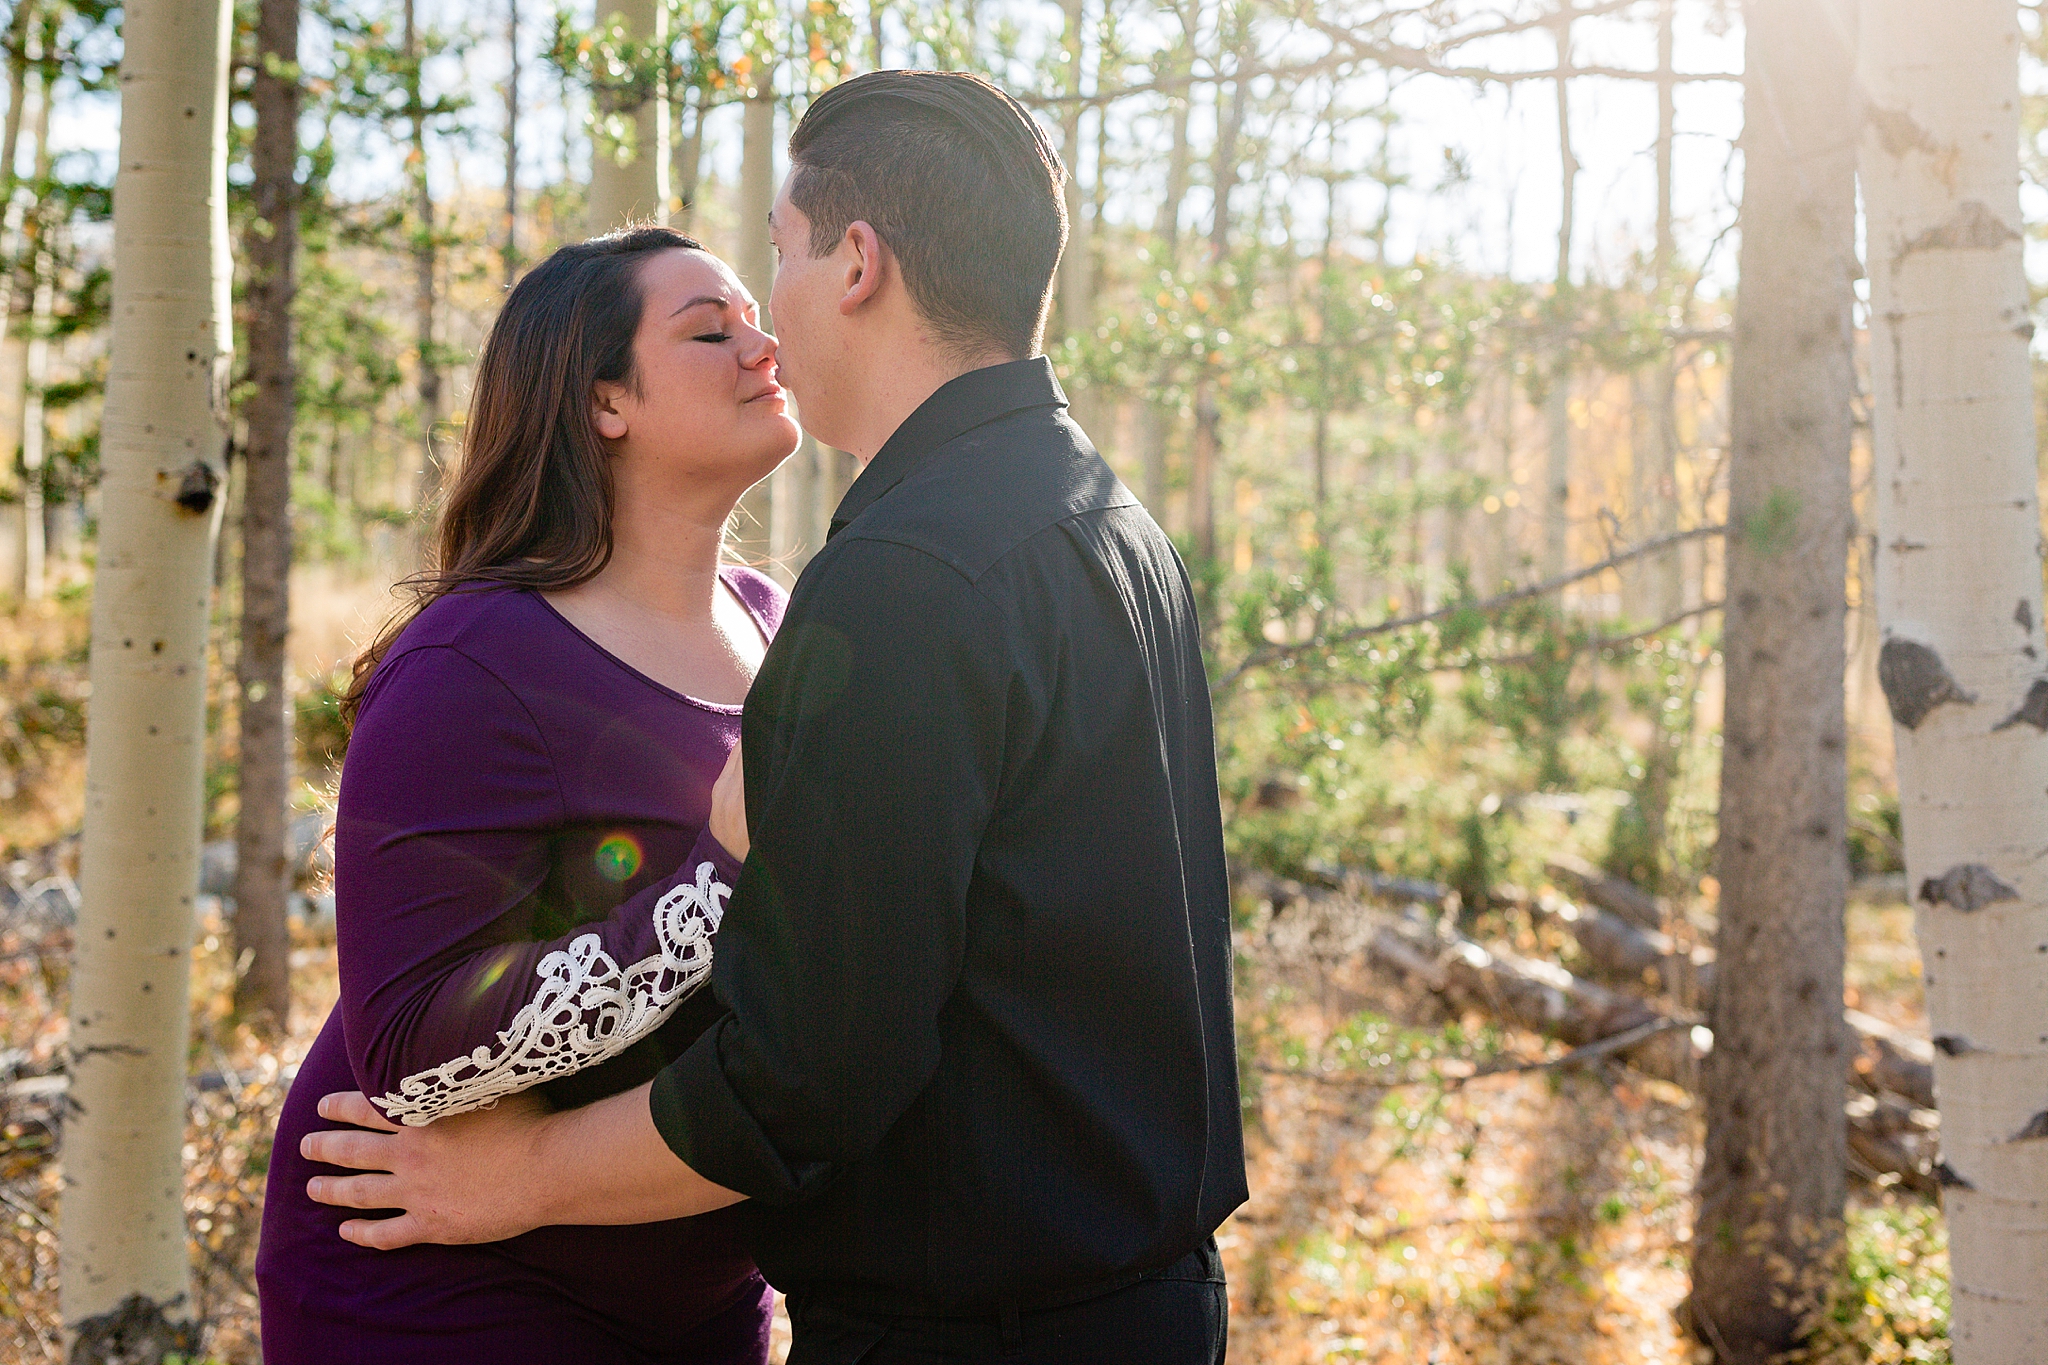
(716, 338)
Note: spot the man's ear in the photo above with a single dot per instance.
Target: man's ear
(604, 411)
(867, 260)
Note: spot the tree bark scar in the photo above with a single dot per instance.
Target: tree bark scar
(1946, 1177)
(2023, 615)
(1915, 681)
(1969, 886)
(1953, 1044)
(2037, 1127)
(1899, 133)
(196, 488)
(2034, 710)
(1974, 227)
(137, 1330)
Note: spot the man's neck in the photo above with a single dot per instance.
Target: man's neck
(891, 397)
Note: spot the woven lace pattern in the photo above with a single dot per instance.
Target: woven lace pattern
(588, 1009)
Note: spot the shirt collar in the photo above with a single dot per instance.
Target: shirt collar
(959, 406)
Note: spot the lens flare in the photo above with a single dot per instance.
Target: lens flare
(618, 857)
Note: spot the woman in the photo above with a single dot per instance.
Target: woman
(525, 886)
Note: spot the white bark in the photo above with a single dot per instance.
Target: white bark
(630, 183)
(123, 1216)
(754, 525)
(1959, 601)
(35, 374)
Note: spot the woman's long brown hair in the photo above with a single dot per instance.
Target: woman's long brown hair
(531, 505)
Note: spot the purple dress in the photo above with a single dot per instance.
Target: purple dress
(525, 897)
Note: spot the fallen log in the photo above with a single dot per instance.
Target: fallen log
(1625, 899)
(1646, 957)
(1887, 1138)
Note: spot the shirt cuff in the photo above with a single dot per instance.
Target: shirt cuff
(707, 1125)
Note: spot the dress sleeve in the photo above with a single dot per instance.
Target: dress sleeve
(448, 802)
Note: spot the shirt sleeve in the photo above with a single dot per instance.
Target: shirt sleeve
(448, 801)
(873, 738)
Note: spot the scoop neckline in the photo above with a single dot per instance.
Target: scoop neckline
(725, 576)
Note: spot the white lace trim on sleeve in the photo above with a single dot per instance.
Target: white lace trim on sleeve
(587, 1009)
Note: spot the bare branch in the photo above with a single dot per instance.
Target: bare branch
(1270, 654)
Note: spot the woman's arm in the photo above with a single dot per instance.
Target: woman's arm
(448, 802)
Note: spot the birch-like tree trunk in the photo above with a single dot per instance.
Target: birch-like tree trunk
(31, 235)
(629, 176)
(1771, 1179)
(508, 255)
(688, 149)
(1208, 415)
(426, 263)
(123, 1233)
(1557, 472)
(262, 856)
(1076, 275)
(11, 216)
(754, 523)
(1959, 602)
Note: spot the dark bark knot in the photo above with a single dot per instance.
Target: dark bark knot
(2023, 616)
(1973, 227)
(197, 488)
(2037, 1128)
(1946, 1177)
(2034, 710)
(1899, 132)
(1971, 886)
(1915, 681)
(1952, 1044)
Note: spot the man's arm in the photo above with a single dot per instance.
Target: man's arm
(486, 1176)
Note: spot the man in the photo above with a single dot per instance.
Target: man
(977, 1074)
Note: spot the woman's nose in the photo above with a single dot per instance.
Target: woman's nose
(759, 348)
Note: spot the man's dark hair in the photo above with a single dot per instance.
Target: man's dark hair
(958, 179)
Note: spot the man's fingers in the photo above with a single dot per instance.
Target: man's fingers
(353, 1106)
(383, 1234)
(354, 1191)
(343, 1147)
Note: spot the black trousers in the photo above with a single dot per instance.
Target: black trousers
(1179, 1316)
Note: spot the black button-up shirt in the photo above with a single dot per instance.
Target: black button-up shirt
(978, 1050)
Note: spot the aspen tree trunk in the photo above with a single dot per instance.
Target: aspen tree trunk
(689, 160)
(754, 523)
(35, 374)
(1557, 474)
(629, 183)
(1771, 1179)
(35, 349)
(1076, 282)
(1652, 591)
(426, 261)
(11, 219)
(1660, 491)
(1959, 599)
(262, 857)
(509, 254)
(123, 1232)
(1158, 419)
(1208, 417)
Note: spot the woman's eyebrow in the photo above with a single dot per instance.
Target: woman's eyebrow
(717, 299)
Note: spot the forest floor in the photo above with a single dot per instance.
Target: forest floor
(1404, 1209)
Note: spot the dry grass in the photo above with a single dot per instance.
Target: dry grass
(1398, 1213)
